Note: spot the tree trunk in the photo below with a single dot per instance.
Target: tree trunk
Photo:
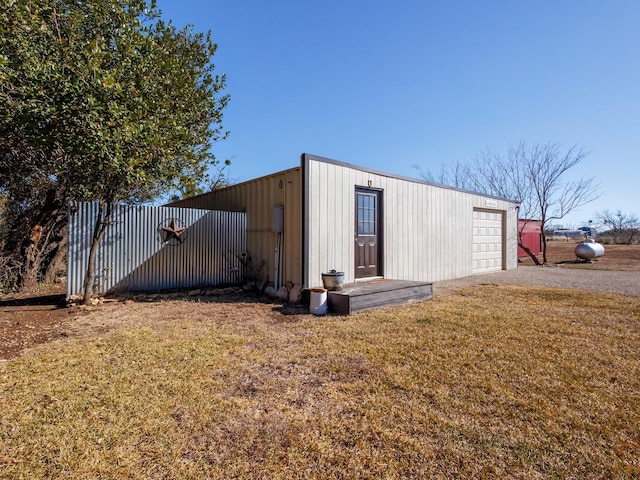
(544, 249)
(530, 253)
(29, 277)
(103, 220)
(32, 252)
(57, 261)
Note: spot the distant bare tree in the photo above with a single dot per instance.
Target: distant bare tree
(533, 176)
(619, 224)
(456, 175)
(551, 195)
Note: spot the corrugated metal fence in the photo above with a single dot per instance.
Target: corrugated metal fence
(140, 252)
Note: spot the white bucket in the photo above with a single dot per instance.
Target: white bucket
(318, 301)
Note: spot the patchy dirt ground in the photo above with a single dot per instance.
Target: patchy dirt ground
(37, 317)
(616, 257)
(31, 318)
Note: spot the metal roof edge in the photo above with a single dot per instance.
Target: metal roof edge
(213, 192)
(309, 156)
(304, 157)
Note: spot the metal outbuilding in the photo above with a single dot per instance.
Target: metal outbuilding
(530, 235)
(327, 214)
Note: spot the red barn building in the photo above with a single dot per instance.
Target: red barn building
(529, 235)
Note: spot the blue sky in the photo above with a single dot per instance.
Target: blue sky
(391, 85)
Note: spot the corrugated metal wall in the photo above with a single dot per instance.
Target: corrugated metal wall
(132, 255)
(257, 198)
(427, 229)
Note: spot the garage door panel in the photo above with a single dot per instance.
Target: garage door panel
(487, 241)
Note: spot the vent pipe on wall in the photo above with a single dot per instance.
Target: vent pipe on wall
(277, 226)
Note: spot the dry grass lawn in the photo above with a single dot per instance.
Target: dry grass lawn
(488, 382)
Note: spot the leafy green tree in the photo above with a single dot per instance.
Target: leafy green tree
(106, 101)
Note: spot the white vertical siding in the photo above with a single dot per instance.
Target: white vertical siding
(427, 229)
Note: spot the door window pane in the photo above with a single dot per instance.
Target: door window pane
(366, 214)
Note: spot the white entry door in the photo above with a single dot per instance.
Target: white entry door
(487, 241)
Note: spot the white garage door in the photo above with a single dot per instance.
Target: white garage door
(487, 241)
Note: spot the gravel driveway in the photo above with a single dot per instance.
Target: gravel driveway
(625, 283)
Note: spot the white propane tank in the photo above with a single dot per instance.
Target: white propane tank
(589, 250)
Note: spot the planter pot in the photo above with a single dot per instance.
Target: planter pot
(333, 280)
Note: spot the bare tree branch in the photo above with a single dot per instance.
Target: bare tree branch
(622, 226)
(534, 176)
